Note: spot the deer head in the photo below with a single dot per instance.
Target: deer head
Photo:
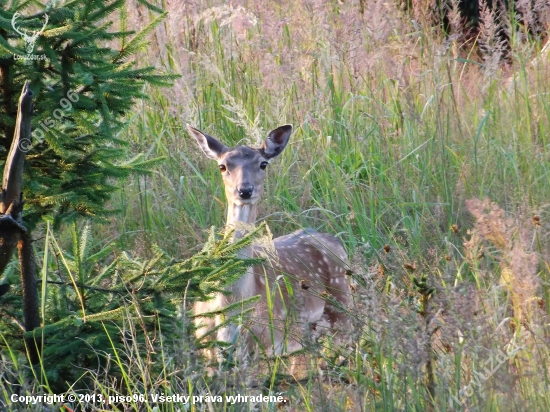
(242, 167)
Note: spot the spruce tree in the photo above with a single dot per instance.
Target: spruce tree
(85, 80)
(92, 301)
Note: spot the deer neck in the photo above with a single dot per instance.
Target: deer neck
(241, 217)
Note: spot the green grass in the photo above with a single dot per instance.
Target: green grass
(379, 161)
(380, 157)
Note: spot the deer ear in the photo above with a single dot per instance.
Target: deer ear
(211, 146)
(276, 141)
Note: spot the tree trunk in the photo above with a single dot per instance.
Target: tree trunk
(30, 293)
(11, 203)
(12, 232)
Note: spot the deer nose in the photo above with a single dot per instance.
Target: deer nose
(245, 191)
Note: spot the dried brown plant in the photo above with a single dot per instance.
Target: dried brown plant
(511, 239)
(492, 44)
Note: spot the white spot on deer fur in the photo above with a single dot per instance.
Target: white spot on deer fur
(316, 313)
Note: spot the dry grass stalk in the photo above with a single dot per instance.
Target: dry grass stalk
(518, 262)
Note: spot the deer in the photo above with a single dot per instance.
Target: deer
(313, 263)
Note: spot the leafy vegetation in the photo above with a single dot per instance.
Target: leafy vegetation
(83, 90)
(429, 157)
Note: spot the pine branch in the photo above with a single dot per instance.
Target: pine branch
(139, 41)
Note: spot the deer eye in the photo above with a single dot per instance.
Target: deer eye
(263, 165)
(222, 168)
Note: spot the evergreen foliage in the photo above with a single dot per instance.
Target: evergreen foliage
(89, 297)
(81, 62)
(85, 79)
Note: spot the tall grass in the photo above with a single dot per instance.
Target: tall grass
(395, 130)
